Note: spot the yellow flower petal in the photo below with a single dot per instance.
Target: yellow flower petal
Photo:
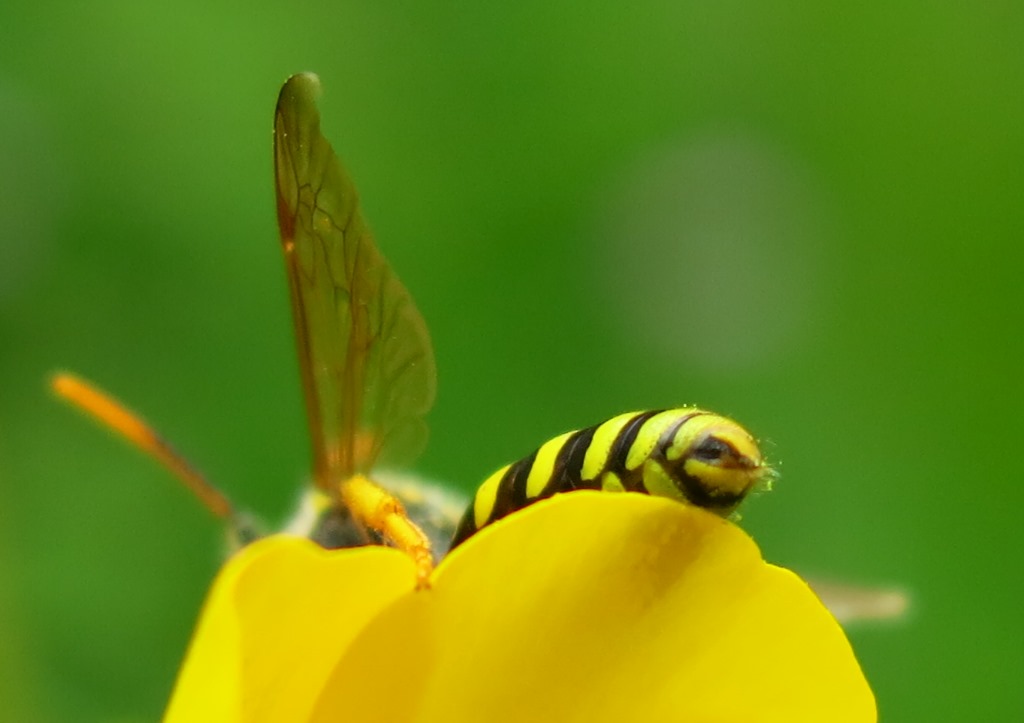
(273, 625)
(599, 607)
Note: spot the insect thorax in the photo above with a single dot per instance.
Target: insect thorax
(433, 508)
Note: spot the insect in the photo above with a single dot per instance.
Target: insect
(685, 454)
(368, 375)
(365, 356)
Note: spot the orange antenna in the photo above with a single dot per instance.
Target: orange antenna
(114, 415)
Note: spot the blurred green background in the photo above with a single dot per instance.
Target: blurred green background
(806, 215)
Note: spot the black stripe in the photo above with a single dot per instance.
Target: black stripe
(620, 450)
(698, 494)
(565, 474)
(669, 435)
(511, 494)
(466, 528)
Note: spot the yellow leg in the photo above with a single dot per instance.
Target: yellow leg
(379, 510)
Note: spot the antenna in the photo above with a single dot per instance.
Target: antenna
(115, 416)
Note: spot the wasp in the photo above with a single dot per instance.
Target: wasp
(369, 378)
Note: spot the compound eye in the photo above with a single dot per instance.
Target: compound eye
(712, 450)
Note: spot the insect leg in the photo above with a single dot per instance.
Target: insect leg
(381, 511)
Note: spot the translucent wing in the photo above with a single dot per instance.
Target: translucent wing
(365, 356)
(856, 603)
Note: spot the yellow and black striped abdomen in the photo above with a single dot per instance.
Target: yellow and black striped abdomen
(686, 454)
